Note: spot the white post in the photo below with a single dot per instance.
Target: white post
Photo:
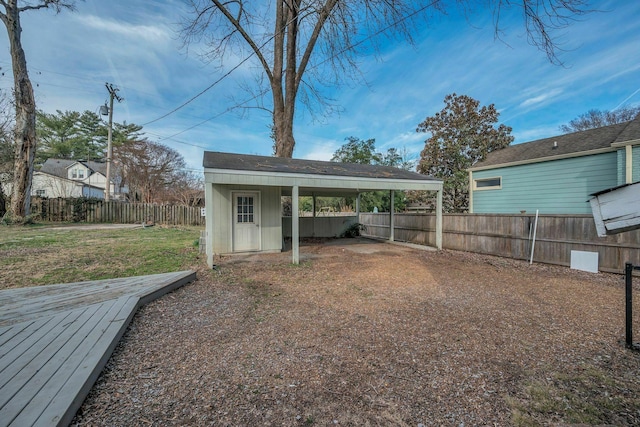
(295, 225)
(358, 208)
(391, 216)
(439, 220)
(208, 212)
(533, 244)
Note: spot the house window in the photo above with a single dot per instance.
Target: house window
(245, 209)
(41, 193)
(494, 183)
(77, 173)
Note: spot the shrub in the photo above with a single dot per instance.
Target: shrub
(354, 230)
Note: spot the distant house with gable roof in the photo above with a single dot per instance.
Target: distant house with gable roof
(74, 178)
(556, 175)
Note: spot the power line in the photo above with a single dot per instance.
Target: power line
(404, 18)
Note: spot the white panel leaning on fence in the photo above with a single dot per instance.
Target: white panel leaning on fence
(616, 209)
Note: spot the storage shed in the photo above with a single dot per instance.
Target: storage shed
(243, 196)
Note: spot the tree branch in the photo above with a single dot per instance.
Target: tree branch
(57, 5)
(236, 24)
(322, 18)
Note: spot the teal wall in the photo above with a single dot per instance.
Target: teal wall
(622, 165)
(553, 187)
(636, 163)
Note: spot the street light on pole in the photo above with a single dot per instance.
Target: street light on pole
(104, 110)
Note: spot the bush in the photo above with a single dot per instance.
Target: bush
(10, 219)
(353, 230)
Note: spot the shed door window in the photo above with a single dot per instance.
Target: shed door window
(244, 208)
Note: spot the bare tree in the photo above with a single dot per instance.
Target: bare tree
(302, 45)
(6, 149)
(25, 119)
(149, 169)
(188, 190)
(597, 118)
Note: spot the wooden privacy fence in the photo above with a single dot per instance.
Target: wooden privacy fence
(511, 236)
(99, 211)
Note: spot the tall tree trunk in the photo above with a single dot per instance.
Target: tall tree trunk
(3, 202)
(283, 124)
(25, 129)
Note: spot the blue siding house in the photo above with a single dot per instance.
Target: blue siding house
(556, 175)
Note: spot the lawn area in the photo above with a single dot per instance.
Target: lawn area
(45, 254)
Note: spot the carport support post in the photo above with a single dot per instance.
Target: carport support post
(439, 220)
(295, 225)
(391, 215)
(208, 212)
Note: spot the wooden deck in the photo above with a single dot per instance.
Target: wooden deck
(55, 340)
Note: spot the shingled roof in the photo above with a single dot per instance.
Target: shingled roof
(246, 162)
(58, 167)
(564, 145)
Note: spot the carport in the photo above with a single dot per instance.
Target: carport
(243, 197)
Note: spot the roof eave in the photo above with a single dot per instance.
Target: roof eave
(280, 179)
(544, 159)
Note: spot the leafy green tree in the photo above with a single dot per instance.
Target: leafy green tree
(70, 135)
(362, 151)
(79, 136)
(596, 118)
(462, 134)
(358, 151)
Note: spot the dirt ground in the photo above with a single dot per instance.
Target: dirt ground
(368, 334)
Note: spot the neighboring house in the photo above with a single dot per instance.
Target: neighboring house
(73, 178)
(556, 175)
(243, 205)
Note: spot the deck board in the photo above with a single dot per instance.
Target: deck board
(55, 341)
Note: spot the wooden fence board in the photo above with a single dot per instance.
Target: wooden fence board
(511, 236)
(113, 211)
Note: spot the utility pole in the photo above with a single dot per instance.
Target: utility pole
(113, 93)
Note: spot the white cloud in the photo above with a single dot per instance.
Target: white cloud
(544, 97)
(132, 32)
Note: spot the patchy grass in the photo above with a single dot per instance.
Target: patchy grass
(587, 396)
(39, 255)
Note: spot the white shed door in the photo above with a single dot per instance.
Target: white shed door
(246, 221)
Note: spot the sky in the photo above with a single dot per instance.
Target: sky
(136, 46)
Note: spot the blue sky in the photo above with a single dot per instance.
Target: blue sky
(135, 46)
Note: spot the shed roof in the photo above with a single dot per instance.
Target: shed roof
(311, 176)
(563, 145)
(245, 162)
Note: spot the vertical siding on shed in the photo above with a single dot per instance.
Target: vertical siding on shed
(553, 187)
(270, 211)
(221, 239)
